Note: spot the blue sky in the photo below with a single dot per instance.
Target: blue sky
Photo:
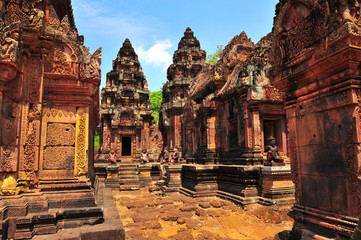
(155, 27)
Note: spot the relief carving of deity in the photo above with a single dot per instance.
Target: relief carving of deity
(10, 46)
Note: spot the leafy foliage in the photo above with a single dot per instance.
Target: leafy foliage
(156, 98)
(96, 140)
(213, 58)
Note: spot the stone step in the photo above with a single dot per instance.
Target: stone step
(128, 172)
(279, 201)
(51, 221)
(129, 187)
(64, 184)
(31, 203)
(112, 228)
(129, 177)
(128, 182)
(128, 169)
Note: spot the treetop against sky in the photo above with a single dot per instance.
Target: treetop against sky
(155, 27)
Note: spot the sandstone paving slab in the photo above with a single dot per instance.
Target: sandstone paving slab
(186, 214)
(181, 235)
(201, 213)
(217, 204)
(205, 205)
(188, 208)
(175, 216)
(181, 220)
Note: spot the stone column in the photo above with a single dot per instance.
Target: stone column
(177, 131)
(211, 133)
(81, 142)
(253, 152)
(145, 135)
(171, 132)
(8, 126)
(106, 138)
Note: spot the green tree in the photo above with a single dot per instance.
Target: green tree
(213, 58)
(96, 140)
(156, 98)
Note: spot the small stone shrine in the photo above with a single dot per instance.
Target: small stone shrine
(127, 125)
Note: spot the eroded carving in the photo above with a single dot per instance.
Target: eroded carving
(6, 165)
(60, 134)
(58, 158)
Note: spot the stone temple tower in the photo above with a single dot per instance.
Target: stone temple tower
(126, 116)
(188, 60)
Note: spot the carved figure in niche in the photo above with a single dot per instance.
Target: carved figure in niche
(10, 47)
(65, 25)
(144, 158)
(34, 113)
(112, 157)
(349, 10)
(179, 73)
(165, 121)
(242, 76)
(273, 156)
(282, 47)
(145, 84)
(36, 17)
(115, 117)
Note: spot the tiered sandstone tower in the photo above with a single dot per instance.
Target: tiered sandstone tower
(126, 117)
(187, 62)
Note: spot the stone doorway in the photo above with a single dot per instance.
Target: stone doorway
(274, 127)
(126, 146)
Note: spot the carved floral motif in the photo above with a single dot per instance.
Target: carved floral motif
(29, 151)
(81, 167)
(6, 165)
(57, 112)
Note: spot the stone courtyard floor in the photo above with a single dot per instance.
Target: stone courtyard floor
(151, 216)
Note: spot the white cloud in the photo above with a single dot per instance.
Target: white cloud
(157, 54)
(88, 8)
(98, 20)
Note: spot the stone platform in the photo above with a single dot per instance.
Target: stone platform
(277, 186)
(241, 184)
(52, 214)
